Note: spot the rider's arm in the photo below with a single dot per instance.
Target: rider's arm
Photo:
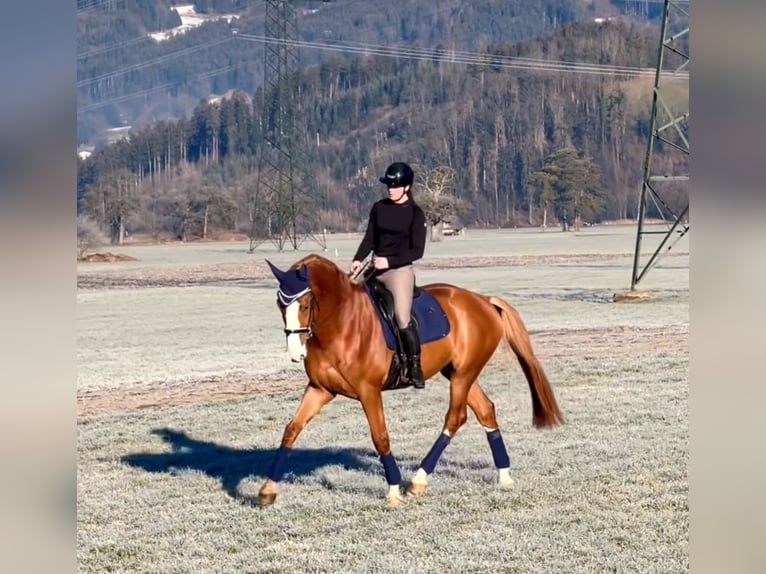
(366, 245)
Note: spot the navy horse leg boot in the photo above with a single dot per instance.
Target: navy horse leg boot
(411, 344)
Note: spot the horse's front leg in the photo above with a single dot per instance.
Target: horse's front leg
(372, 403)
(456, 417)
(314, 398)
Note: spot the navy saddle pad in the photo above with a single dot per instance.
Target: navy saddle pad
(431, 320)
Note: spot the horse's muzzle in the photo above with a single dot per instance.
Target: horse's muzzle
(296, 348)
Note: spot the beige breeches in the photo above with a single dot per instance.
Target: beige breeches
(400, 282)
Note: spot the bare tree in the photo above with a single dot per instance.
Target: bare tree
(435, 193)
(111, 200)
(182, 200)
(89, 235)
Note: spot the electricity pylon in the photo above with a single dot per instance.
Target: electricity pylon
(281, 207)
(669, 134)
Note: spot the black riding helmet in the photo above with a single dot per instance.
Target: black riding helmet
(398, 174)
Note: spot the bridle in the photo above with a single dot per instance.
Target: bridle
(285, 301)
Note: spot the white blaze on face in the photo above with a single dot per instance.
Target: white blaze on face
(295, 346)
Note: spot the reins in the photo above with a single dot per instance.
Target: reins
(360, 277)
(364, 273)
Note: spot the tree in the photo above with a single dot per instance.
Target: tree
(436, 195)
(576, 185)
(89, 236)
(543, 188)
(217, 200)
(494, 126)
(182, 201)
(111, 200)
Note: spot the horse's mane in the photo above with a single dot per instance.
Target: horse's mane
(314, 259)
(326, 276)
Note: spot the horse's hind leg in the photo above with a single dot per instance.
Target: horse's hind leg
(484, 409)
(314, 398)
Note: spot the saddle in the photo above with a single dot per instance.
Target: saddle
(384, 301)
(427, 314)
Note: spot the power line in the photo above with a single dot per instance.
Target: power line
(110, 47)
(402, 52)
(91, 6)
(468, 58)
(492, 59)
(138, 94)
(420, 54)
(142, 65)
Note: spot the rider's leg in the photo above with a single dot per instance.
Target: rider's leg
(411, 341)
(401, 283)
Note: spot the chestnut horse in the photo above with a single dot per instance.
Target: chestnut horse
(332, 326)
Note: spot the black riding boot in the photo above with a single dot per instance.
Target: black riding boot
(411, 344)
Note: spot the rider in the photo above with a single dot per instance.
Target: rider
(396, 235)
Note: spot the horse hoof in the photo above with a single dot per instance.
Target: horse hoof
(393, 501)
(505, 481)
(267, 498)
(417, 489)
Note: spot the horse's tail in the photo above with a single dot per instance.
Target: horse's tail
(545, 410)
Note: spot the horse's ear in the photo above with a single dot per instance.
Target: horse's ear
(279, 274)
(303, 273)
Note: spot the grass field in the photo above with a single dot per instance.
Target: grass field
(184, 388)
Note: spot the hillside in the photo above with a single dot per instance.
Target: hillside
(496, 122)
(127, 78)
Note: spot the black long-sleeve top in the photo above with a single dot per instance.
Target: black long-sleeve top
(396, 231)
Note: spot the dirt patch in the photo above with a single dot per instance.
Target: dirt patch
(104, 258)
(174, 394)
(633, 296)
(519, 260)
(183, 276)
(225, 236)
(614, 342)
(550, 346)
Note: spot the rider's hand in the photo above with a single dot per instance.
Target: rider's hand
(355, 267)
(380, 263)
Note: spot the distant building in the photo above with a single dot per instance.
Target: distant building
(85, 151)
(216, 98)
(453, 226)
(113, 135)
(189, 19)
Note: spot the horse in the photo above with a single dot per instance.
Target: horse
(332, 326)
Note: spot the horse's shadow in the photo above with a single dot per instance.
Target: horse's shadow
(231, 465)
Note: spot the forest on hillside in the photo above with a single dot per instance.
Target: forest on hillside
(126, 78)
(521, 145)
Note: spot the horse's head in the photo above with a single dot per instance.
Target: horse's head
(308, 286)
